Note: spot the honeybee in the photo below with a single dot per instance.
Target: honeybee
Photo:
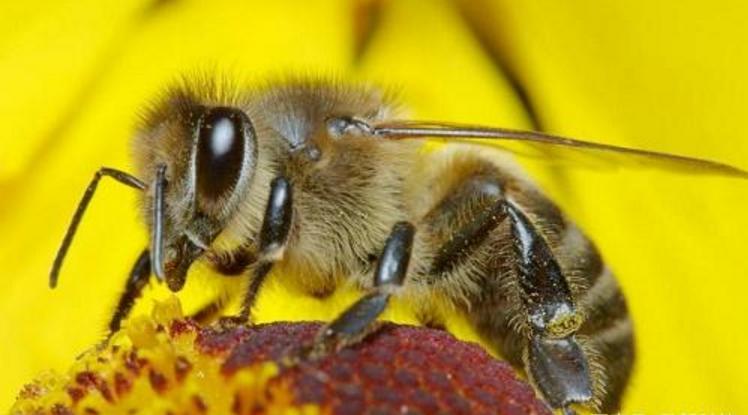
(320, 180)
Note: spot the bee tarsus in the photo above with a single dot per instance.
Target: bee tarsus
(560, 369)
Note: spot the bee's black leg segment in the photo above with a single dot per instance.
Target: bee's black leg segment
(358, 320)
(258, 277)
(209, 311)
(560, 370)
(139, 276)
(276, 226)
(233, 264)
(393, 263)
(554, 360)
(544, 289)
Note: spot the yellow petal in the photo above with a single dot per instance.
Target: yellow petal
(52, 62)
(661, 76)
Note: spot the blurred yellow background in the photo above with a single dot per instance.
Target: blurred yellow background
(668, 76)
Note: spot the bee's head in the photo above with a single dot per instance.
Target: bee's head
(197, 160)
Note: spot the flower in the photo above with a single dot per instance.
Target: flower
(167, 363)
(664, 76)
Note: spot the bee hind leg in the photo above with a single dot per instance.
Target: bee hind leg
(554, 359)
(477, 220)
(560, 370)
(360, 319)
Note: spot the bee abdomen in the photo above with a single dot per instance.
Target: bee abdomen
(603, 304)
(478, 247)
(609, 335)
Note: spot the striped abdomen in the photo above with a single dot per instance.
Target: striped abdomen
(531, 282)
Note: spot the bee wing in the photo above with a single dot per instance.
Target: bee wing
(548, 145)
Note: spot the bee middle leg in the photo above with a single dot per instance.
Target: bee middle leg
(359, 319)
(554, 358)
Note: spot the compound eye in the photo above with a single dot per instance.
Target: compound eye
(220, 151)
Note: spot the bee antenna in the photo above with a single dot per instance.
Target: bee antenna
(118, 175)
(157, 228)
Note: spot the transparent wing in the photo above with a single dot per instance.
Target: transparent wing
(535, 144)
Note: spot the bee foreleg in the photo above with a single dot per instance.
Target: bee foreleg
(555, 361)
(234, 263)
(358, 320)
(273, 237)
(210, 311)
(139, 276)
